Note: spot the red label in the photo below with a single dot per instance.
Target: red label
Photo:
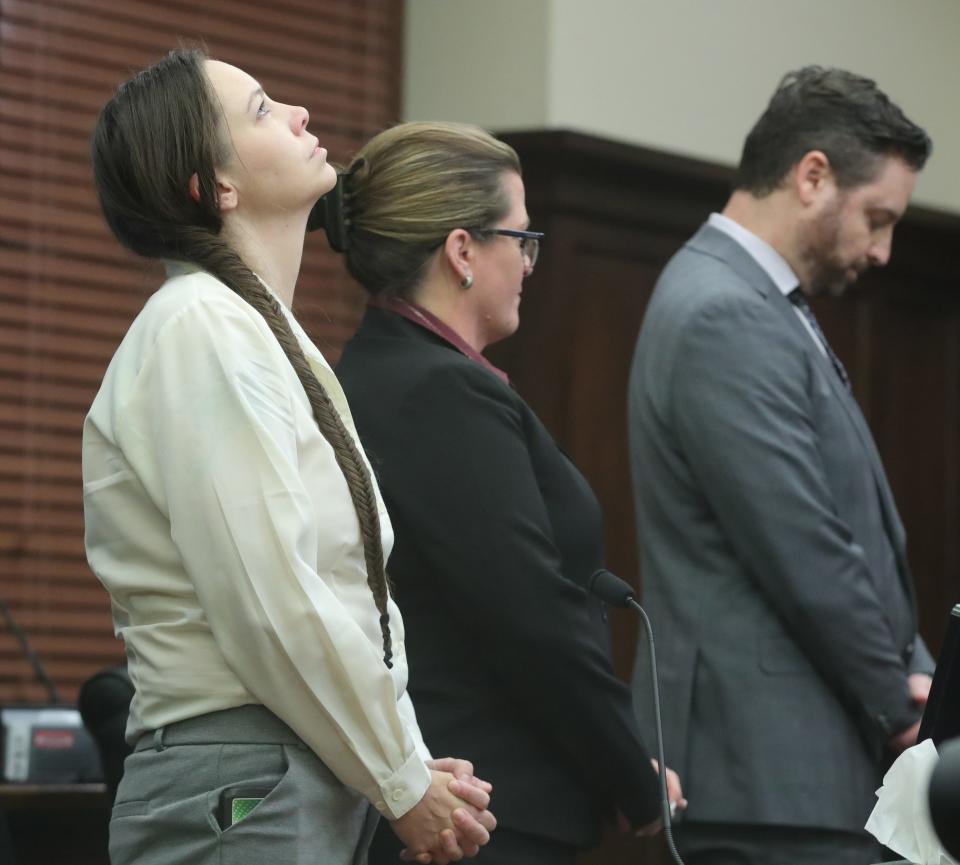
(54, 739)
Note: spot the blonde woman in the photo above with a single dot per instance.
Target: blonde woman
(496, 530)
(232, 517)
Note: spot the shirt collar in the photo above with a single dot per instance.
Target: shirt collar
(174, 267)
(772, 262)
(428, 321)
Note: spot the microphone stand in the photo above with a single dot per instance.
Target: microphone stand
(28, 652)
(664, 796)
(614, 591)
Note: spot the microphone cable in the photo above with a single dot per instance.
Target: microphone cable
(618, 593)
(664, 795)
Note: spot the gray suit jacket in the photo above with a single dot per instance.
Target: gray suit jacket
(773, 558)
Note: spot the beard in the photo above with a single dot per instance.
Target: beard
(830, 273)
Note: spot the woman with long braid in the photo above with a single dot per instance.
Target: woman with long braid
(232, 516)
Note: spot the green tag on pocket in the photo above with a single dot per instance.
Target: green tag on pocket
(241, 807)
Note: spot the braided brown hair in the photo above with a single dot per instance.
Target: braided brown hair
(159, 129)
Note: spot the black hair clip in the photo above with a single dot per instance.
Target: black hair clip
(330, 214)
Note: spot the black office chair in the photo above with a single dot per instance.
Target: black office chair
(104, 704)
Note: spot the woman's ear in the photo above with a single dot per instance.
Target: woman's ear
(226, 193)
(227, 197)
(460, 252)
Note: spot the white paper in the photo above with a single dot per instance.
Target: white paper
(901, 817)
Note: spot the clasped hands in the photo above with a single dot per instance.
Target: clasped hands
(919, 688)
(674, 796)
(452, 821)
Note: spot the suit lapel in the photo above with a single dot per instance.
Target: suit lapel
(891, 520)
(711, 241)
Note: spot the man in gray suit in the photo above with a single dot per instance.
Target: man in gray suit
(773, 558)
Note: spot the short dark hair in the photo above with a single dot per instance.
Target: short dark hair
(844, 115)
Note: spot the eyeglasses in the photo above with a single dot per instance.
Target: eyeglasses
(529, 241)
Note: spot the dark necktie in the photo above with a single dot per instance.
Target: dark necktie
(800, 302)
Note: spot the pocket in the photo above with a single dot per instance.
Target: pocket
(131, 832)
(132, 808)
(238, 802)
(254, 771)
(309, 817)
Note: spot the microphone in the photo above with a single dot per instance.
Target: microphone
(610, 589)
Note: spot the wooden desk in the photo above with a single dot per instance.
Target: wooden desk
(54, 824)
(40, 797)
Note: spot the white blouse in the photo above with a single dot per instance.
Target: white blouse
(222, 527)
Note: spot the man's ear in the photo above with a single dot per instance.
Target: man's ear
(813, 178)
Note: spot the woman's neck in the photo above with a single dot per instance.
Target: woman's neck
(271, 248)
(452, 305)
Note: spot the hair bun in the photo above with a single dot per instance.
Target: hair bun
(332, 212)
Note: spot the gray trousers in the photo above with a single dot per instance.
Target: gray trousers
(169, 808)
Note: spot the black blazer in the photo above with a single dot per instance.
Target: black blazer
(496, 535)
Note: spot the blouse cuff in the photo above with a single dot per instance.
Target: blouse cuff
(402, 790)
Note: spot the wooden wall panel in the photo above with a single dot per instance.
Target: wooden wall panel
(916, 355)
(68, 292)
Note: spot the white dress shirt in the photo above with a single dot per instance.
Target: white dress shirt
(772, 262)
(222, 527)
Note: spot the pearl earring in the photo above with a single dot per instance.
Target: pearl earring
(467, 281)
